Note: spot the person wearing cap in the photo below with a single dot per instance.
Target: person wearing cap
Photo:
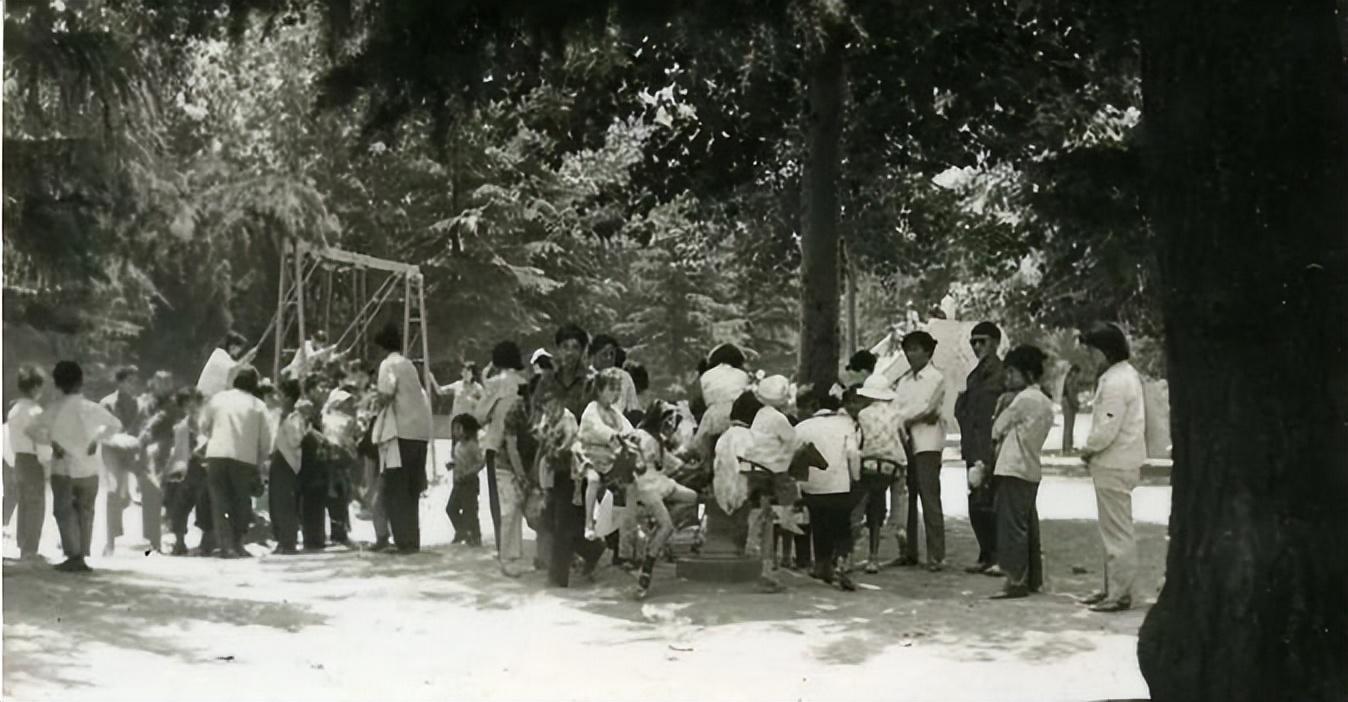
(771, 453)
(973, 410)
(1020, 431)
(883, 464)
(1114, 453)
(919, 395)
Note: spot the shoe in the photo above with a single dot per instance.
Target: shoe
(769, 586)
(1120, 605)
(179, 549)
(407, 550)
(69, 565)
(901, 562)
(1011, 593)
(1093, 598)
(871, 568)
(994, 571)
(978, 568)
(846, 583)
(935, 567)
(285, 550)
(509, 571)
(590, 534)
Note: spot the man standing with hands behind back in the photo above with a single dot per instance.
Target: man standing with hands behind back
(974, 410)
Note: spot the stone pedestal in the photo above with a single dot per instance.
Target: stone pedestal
(722, 558)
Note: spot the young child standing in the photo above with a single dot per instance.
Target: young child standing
(185, 481)
(883, 464)
(467, 462)
(286, 461)
(30, 478)
(74, 425)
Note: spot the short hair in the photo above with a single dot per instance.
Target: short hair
(233, 338)
(125, 372)
(29, 379)
(640, 378)
(1027, 359)
(471, 367)
(608, 378)
(599, 341)
(185, 396)
(987, 329)
(68, 376)
(862, 361)
(652, 420)
(246, 379)
(728, 354)
(292, 389)
(467, 422)
(506, 354)
(745, 407)
(1109, 339)
(920, 339)
(571, 332)
(389, 337)
(265, 387)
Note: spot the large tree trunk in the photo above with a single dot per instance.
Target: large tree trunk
(1247, 135)
(819, 304)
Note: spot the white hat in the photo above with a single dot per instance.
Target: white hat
(774, 391)
(540, 353)
(876, 387)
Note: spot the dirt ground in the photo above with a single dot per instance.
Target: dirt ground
(444, 624)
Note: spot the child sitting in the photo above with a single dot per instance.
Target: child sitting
(602, 430)
(467, 462)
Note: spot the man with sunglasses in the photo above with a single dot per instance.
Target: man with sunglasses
(974, 410)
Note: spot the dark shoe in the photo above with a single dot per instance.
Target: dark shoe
(285, 550)
(823, 574)
(1121, 605)
(1011, 593)
(769, 585)
(378, 547)
(179, 549)
(902, 562)
(69, 565)
(408, 550)
(846, 583)
(1092, 599)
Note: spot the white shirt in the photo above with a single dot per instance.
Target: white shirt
(21, 417)
(922, 393)
(774, 440)
(722, 384)
(500, 394)
(1118, 420)
(408, 414)
(237, 425)
(836, 437)
(73, 422)
(1020, 431)
(727, 486)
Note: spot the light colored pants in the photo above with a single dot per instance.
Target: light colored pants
(1114, 501)
(512, 517)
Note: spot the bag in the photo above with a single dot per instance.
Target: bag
(534, 506)
(805, 458)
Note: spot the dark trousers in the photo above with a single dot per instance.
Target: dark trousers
(312, 486)
(402, 494)
(493, 499)
(568, 532)
(29, 494)
(925, 487)
(73, 505)
(283, 501)
(230, 483)
(1018, 551)
(11, 483)
(983, 519)
(830, 527)
(462, 510)
(1069, 422)
(188, 493)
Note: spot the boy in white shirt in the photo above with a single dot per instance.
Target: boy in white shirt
(74, 425)
(30, 479)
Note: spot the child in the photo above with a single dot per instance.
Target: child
(653, 490)
(1020, 431)
(286, 461)
(733, 445)
(883, 464)
(185, 479)
(602, 428)
(30, 479)
(74, 425)
(467, 462)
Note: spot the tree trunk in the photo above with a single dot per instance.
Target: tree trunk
(818, 361)
(1247, 138)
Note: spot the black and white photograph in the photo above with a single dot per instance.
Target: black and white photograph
(716, 350)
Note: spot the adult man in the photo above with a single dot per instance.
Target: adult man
(238, 443)
(973, 410)
(124, 458)
(919, 395)
(402, 431)
(1114, 453)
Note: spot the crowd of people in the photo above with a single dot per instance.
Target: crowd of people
(573, 444)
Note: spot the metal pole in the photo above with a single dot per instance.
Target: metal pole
(299, 310)
(426, 366)
(407, 311)
(280, 310)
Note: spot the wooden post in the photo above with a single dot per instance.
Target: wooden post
(853, 337)
(280, 309)
(299, 308)
(426, 367)
(407, 311)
